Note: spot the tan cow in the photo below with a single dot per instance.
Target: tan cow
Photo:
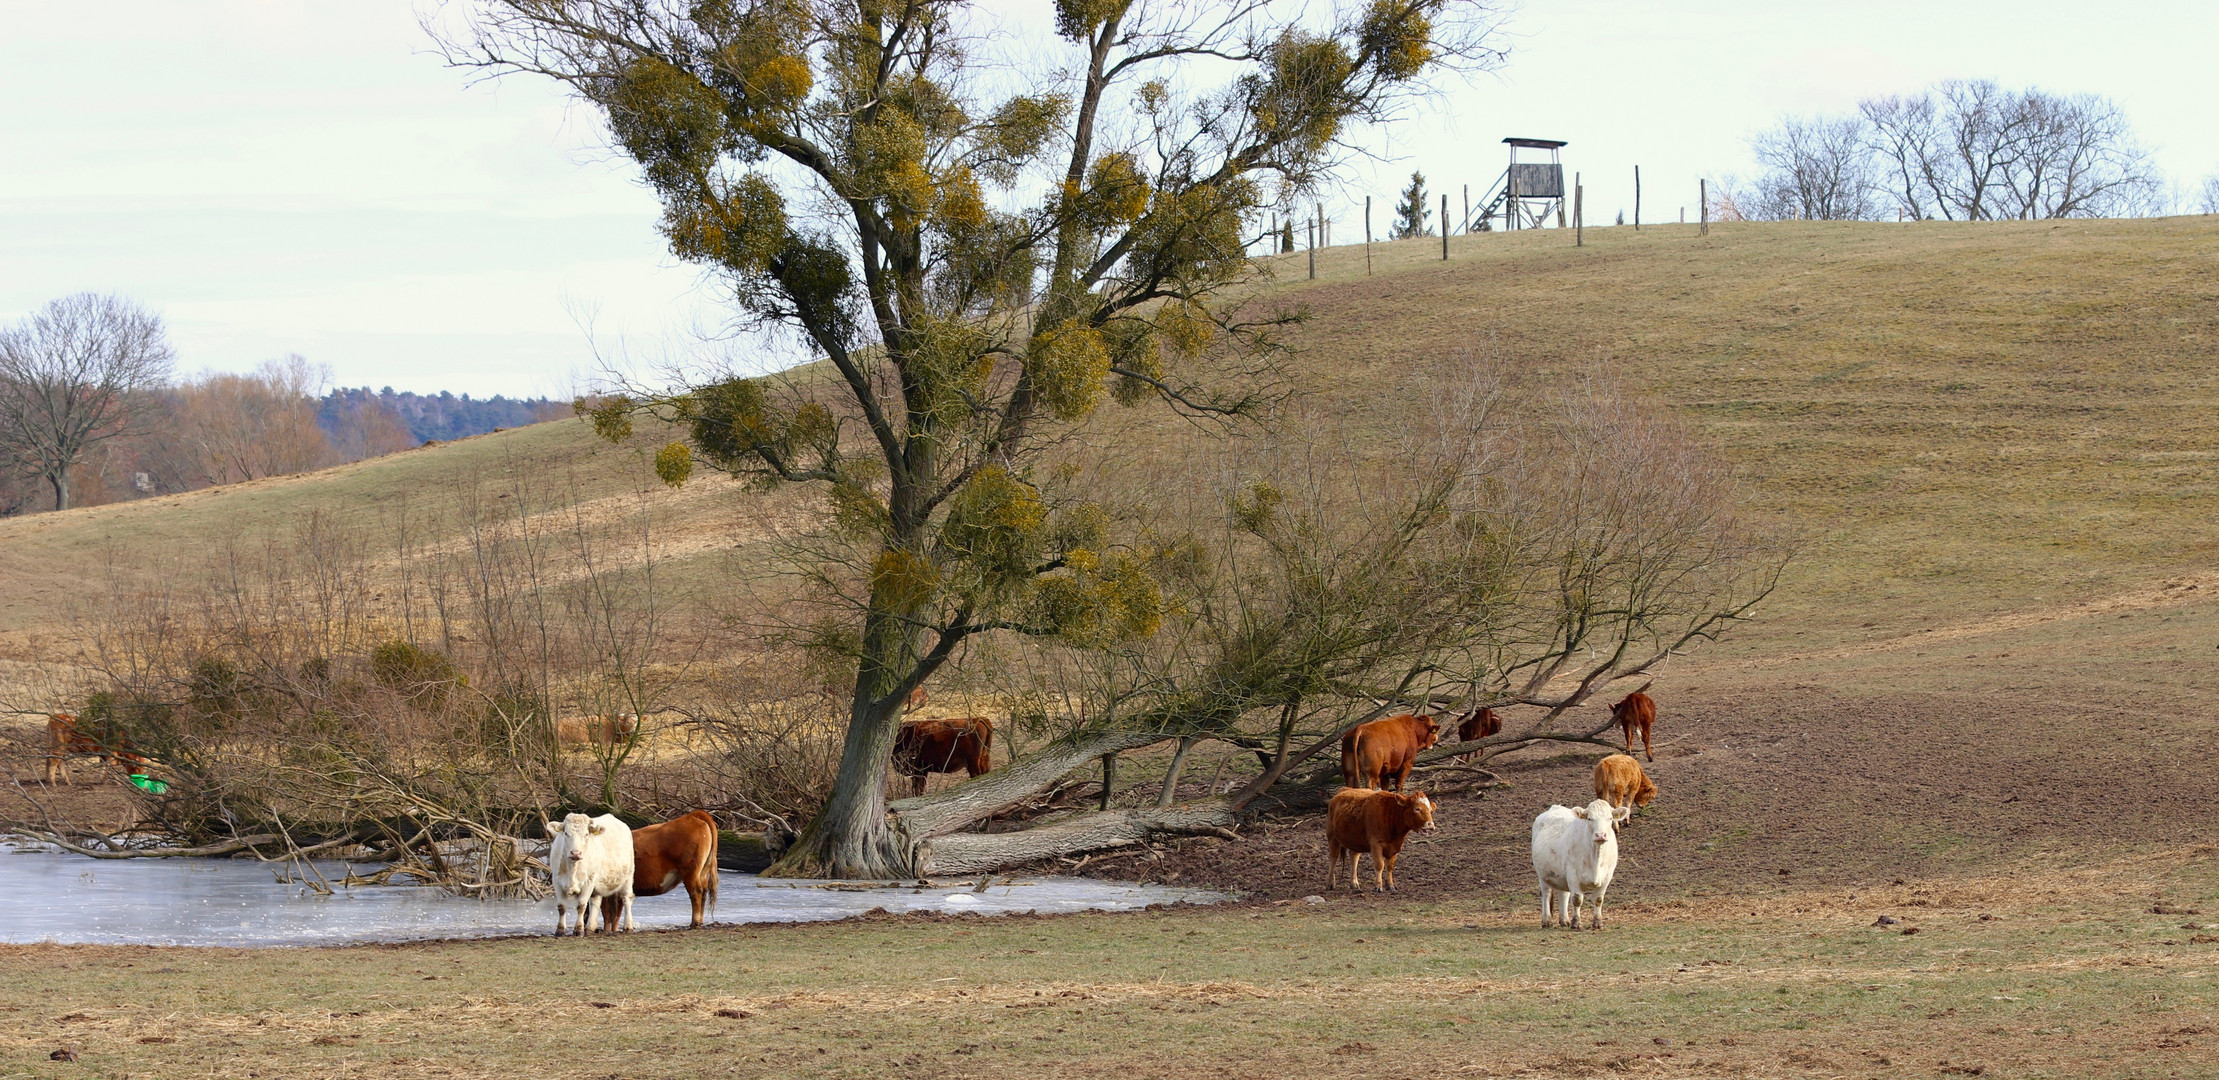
(1621, 782)
(65, 740)
(596, 730)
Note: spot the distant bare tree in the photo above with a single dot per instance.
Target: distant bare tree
(2207, 200)
(1970, 150)
(245, 426)
(71, 375)
(1816, 169)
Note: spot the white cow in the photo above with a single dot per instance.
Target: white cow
(591, 858)
(1574, 853)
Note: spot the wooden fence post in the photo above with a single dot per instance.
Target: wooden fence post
(1367, 236)
(1702, 190)
(1467, 209)
(1444, 226)
(1579, 218)
(1637, 198)
(1313, 249)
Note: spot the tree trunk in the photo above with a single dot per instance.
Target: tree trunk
(1109, 778)
(1171, 775)
(60, 480)
(973, 801)
(854, 836)
(966, 853)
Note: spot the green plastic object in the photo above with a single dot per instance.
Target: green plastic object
(150, 786)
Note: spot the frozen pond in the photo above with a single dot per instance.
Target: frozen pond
(70, 899)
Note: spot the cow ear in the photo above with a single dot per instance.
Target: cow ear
(552, 829)
(1580, 812)
(594, 829)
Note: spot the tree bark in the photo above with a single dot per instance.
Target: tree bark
(966, 853)
(1171, 775)
(60, 480)
(854, 836)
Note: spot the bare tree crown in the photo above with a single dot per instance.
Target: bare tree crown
(72, 374)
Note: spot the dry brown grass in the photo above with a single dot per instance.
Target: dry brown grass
(2038, 972)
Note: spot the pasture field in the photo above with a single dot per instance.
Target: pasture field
(2038, 973)
(1985, 689)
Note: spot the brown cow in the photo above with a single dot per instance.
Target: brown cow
(1370, 753)
(681, 851)
(1478, 724)
(929, 746)
(1636, 710)
(1358, 821)
(1621, 782)
(915, 700)
(64, 740)
(604, 730)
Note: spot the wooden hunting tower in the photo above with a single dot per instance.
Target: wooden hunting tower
(1528, 192)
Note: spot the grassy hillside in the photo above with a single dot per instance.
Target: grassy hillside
(1961, 420)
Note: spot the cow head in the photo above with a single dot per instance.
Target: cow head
(1429, 731)
(627, 725)
(1602, 821)
(577, 827)
(1421, 811)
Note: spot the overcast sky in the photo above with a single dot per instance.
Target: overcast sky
(280, 177)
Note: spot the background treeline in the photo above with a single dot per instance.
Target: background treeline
(90, 413)
(1961, 150)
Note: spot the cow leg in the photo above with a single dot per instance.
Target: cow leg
(916, 785)
(1332, 865)
(1548, 905)
(1378, 867)
(629, 925)
(1645, 751)
(694, 896)
(1355, 870)
(1597, 923)
(1391, 857)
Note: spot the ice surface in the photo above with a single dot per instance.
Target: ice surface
(70, 899)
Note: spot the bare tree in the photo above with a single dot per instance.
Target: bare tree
(72, 375)
(245, 426)
(1816, 169)
(1971, 150)
(2207, 200)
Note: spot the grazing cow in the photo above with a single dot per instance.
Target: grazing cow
(1478, 724)
(1373, 752)
(681, 851)
(591, 858)
(1621, 782)
(1636, 710)
(1575, 852)
(930, 746)
(1360, 821)
(602, 730)
(65, 740)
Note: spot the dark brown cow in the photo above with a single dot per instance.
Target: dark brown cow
(64, 740)
(681, 851)
(1370, 753)
(1636, 710)
(1478, 724)
(1362, 822)
(929, 746)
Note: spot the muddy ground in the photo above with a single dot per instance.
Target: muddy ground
(1791, 789)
